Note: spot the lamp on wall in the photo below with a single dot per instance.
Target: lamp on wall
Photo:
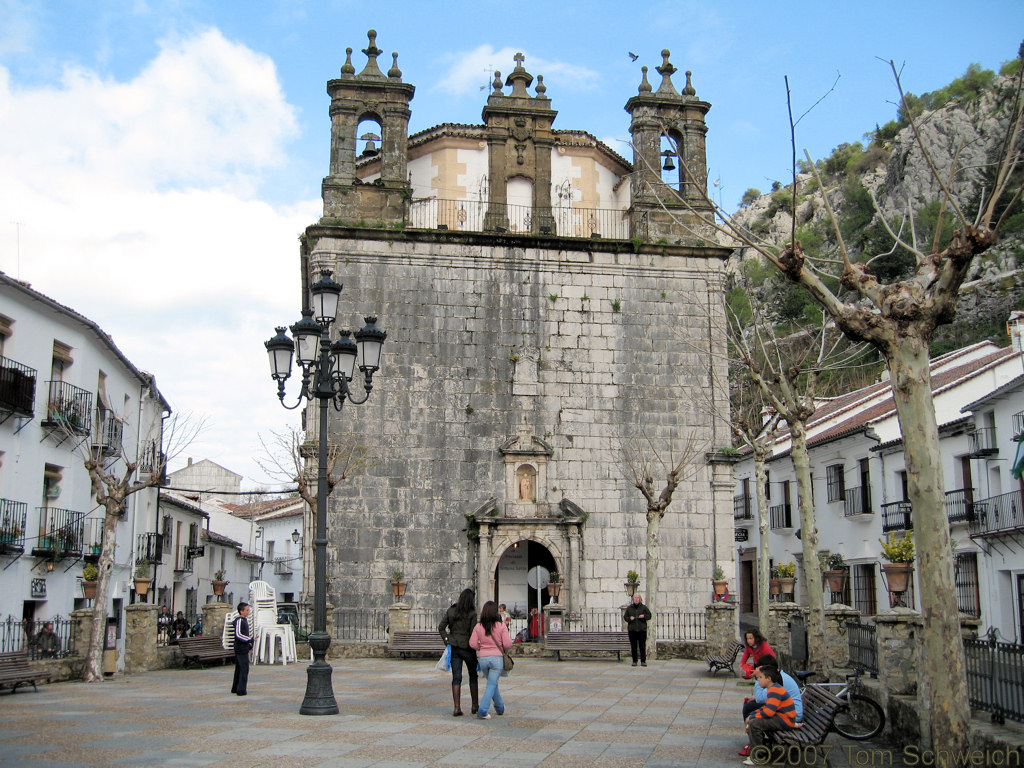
(296, 536)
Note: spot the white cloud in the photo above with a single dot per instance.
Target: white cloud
(140, 208)
(470, 70)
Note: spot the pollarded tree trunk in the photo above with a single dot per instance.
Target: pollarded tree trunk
(809, 541)
(944, 665)
(653, 559)
(763, 527)
(94, 655)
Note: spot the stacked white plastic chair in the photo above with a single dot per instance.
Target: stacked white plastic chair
(268, 635)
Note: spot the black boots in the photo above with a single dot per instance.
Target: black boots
(457, 698)
(474, 692)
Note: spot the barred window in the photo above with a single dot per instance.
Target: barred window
(835, 480)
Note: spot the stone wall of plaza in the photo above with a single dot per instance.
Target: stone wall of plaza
(514, 369)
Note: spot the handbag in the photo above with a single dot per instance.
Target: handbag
(509, 662)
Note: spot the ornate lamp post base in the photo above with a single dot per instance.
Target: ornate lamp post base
(319, 691)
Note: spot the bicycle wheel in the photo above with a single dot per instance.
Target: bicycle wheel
(861, 719)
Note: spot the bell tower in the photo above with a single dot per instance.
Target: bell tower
(670, 176)
(380, 100)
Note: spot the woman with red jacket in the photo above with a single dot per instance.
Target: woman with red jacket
(490, 640)
(755, 646)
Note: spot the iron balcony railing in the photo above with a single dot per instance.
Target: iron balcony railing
(152, 459)
(13, 515)
(60, 532)
(857, 501)
(863, 643)
(183, 558)
(995, 677)
(998, 514)
(107, 434)
(741, 508)
(1018, 425)
(282, 566)
(25, 635)
(69, 407)
(781, 516)
(150, 548)
(982, 442)
(960, 506)
(92, 540)
(17, 387)
(480, 216)
(896, 516)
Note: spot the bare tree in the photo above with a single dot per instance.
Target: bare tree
(113, 480)
(642, 460)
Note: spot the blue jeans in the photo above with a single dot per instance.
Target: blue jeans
(492, 667)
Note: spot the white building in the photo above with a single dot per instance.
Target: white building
(66, 391)
(859, 488)
(278, 539)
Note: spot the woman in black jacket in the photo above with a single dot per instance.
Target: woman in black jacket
(455, 629)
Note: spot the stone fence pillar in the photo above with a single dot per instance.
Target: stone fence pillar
(398, 618)
(720, 621)
(779, 616)
(897, 635)
(213, 618)
(140, 649)
(837, 640)
(82, 630)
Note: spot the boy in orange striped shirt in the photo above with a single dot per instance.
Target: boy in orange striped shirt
(778, 712)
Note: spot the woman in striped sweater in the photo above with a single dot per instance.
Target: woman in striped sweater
(778, 712)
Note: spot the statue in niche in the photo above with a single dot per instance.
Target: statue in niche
(526, 492)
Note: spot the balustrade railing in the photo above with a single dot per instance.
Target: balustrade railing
(60, 532)
(857, 501)
(69, 407)
(13, 515)
(960, 505)
(896, 516)
(17, 387)
(479, 216)
(998, 514)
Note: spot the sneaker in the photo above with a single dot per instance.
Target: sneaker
(745, 752)
(642, 664)
(748, 761)
(488, 717)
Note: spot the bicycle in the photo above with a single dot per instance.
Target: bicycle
(862, 718)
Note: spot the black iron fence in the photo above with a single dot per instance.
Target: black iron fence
(995, 677)
(365, 625)
(857, 501)
(863, 646)
(36, 640)
(897, 516)
(960, 505)
(680, 625)
(998, 514)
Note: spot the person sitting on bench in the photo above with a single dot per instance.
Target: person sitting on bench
(752, 704)
(778, 712)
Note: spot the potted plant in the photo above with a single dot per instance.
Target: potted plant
(218, 583)
(554, 586)
(90, 573)
(10, 536)
(787, 577)
(774, 583)
(632, 580)
(718, 581)
(397, 583)
(142, 580)
(899, 551)
(834, 569)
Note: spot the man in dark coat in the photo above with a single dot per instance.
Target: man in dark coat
(637, 615)
(243, 644)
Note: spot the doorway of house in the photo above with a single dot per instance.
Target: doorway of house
(512, 582)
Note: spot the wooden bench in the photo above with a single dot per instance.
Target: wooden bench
(614, 642)
(199, 650)
(820, 709)
(405, 643)
(14, 669)
(726, 660)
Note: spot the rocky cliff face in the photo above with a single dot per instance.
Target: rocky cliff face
(893, 180)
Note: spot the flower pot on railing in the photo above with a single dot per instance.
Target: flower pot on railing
(142, 586)
(721, 587)
(218, 586)
(837, 580)
(897, 576)
(398, 588)
(787, 585)
(775, 586)
(631, 588)
(89, 589)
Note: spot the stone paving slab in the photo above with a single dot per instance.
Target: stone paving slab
(394, 714)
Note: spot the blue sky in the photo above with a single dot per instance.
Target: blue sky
(161, 158)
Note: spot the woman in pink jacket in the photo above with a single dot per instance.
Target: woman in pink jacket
(490, 639)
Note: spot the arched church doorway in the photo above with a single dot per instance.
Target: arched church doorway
(523, 568)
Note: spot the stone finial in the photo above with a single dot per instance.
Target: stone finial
(541, 88)
(689, 90)
(372, 52)
(520, 79)
(347, 68)
(666, 70)
(496, 85)
(645, 87)
(396, 73)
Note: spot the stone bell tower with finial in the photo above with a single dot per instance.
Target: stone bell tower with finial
(669, 132)
(384, 99)
(519, 144)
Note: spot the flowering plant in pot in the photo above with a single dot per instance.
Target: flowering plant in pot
(835, 571)
(632, 580)
(718, 581)
(787, 577)
(142, 580)
(218, 582)
(90, 574)
(899, 551)
(397, 583)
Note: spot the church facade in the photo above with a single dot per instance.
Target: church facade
(547, 303)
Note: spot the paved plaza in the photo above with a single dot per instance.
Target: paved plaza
(393, 714)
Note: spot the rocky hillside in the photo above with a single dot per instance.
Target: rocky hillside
(889, 180)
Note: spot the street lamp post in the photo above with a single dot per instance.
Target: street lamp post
(327, 370)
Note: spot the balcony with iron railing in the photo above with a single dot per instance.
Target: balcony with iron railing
(68, 407)
(184, 557)
(982, 442)
(92, 539)
(742, 509)
(896, 516)
(150, 548)
(481, 216)
(283, 566)
(60, 533)
(1018, 425)
(781, 516)
(857, 501)
(13, 515)
(17, 387)
(998, 515)
(107, 433)
(152, 459)
(960, 506)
